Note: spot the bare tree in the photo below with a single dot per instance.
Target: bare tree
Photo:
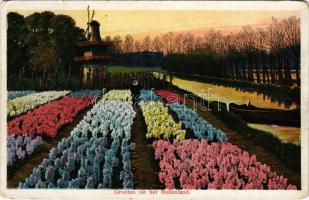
(157, 44)
(128, 43)
(179, 43)
(146, 43)
(267, 55)
(168, 43)
(137, 46)
(117, 43)
(188, 42)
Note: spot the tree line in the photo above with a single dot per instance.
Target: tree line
(41, 47)
(268, 55)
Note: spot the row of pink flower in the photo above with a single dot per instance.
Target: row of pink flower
(194, 164)
(170, 97)
(47, 119)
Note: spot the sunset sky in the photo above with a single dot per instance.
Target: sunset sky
(141, 23)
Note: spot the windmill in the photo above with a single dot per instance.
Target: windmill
(93, 55)
(87, 34)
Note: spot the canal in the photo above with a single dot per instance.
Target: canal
(227, 95)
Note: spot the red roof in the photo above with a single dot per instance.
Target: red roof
(92, 58)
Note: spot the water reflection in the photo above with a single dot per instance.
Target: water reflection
(238, 95)
(284, 133)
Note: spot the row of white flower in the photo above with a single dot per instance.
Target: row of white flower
(22, 104)
(118, 95)
(159, 122)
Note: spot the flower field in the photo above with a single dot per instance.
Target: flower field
(159, 122)
(22, 104)
(149, 95)
(47, 119)
(120, 95)
(88, 147)
(170, 97)
(15, 94)
(98, 151)
(21, 146)
(86, 93)
(199, 165)
(201, 128)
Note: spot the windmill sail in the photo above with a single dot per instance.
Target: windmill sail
(89, 22)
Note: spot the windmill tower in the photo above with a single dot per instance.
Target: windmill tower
(94, 57)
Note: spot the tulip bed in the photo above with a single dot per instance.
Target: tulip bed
(118, 95)
(18, 147)
(15, 94)
(21, 105)
(201, 128)
(159, 122)
(47, 119)
(98, 145)
(195, 164)
(170, 97)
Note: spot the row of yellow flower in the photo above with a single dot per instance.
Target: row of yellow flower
(118, 95)
(159, 122)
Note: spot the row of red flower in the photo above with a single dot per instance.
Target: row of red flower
(170, 97)
(47, 119)
(199, 165)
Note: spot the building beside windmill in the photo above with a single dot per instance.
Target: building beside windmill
(94, 57)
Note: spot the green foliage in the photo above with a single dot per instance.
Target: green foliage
(65, 34)
(16, 45)
(42, 44)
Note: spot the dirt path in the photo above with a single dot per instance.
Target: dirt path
(145, 167)
(23, 169)
(244, 144)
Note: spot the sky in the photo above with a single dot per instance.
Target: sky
(153, 23)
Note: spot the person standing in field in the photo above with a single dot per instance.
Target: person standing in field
(135, 89)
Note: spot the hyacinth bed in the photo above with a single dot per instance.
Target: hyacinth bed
(86, 93)
(118, 95)
(170, 97)
(15, 94)
(97, 152)
(88, 154)
(19, 147)
(200, 127)
(148, 95)
(159, 122)
(22, 104)
(195, 164)
(47, 119)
